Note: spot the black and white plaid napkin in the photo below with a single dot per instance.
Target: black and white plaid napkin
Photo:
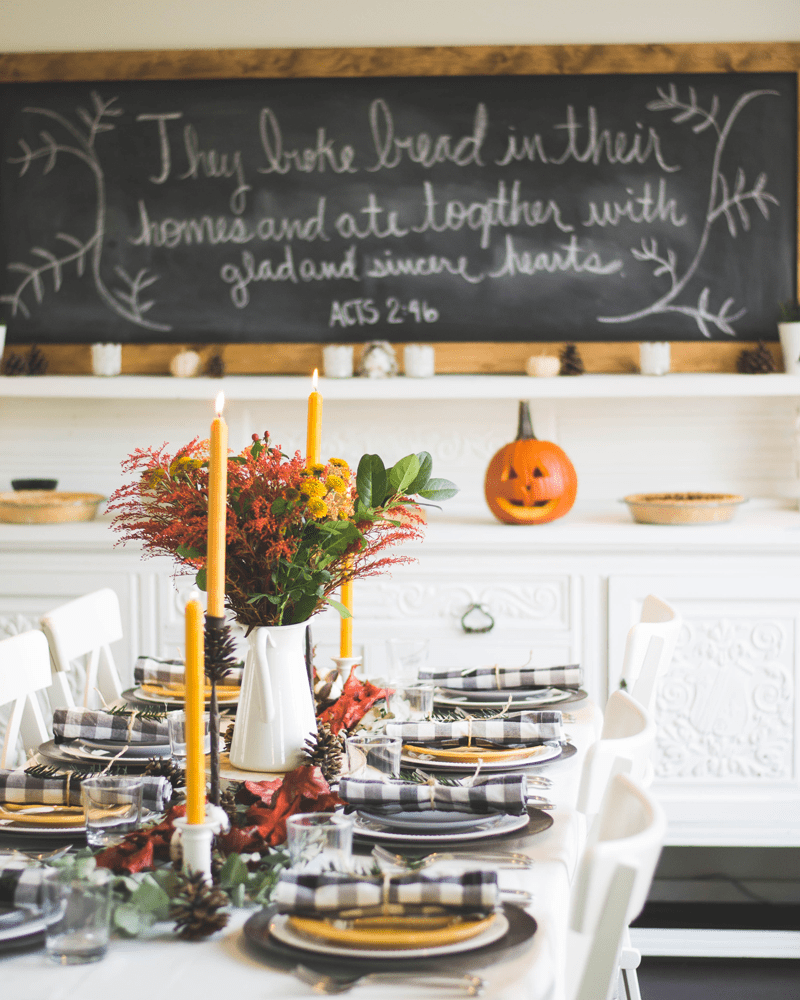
(65, 790)
(88, 724)
(504, 793)
(20, 884)
(332, 892)
(150, 670)
(505, 678)
(527, 727)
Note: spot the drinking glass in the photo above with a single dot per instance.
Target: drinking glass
(112, 805)
(176, 723)
(409, 702)
(407, 657)
(371, 756)
(320, 840)
(77, 916)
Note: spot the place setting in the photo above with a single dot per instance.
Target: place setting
(161, 684)
(520, 688)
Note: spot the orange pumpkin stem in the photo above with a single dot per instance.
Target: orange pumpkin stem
(525, 426)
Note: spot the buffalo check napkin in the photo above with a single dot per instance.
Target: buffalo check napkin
(88, 724)
(65, 790)
(529, 728)
(504, 678)
(504, 793)
(20, 884)
(149, 670)
(334, 892)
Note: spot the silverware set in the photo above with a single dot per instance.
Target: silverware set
(466, 985)
(502, 859)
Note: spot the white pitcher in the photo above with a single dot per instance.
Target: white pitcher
(276, 710)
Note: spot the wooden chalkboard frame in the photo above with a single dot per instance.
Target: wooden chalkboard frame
(738, 57)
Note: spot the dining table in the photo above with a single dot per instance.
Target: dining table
(229, 965)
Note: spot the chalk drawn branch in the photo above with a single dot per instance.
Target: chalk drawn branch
(729, 201)
(125, 302)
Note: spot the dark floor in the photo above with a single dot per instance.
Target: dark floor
(719, 979)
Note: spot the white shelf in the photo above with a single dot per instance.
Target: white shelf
(257, 387)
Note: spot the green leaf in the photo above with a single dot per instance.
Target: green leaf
(278, 506)
(403, 473)
(344, 613)
(371, 480)
(233, 872)
(188, 552)
(424, 474)
(200, 579)
(130, 922)
(439, 489)
(151, 898)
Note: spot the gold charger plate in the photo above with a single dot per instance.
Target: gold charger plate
(225, 692)
(467, 755)
(394, 937)
(60, 816)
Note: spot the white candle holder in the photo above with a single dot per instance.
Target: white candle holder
(344, 664)
(196, 839)
(654, 358)
(419, 361)
(337, 360)
(543, 366)
(106, 359)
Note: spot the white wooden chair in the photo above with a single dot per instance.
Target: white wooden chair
(24, 670)
(625, 746)
(82, 631)
(611, 886)
(649, 648)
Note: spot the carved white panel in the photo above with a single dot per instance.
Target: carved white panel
(16, 622)
(726, 708)
(542, 604)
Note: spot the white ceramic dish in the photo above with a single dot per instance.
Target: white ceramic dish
(549, 696)
(374, 831)
(281, 929)
(431, 820)
(138, 750)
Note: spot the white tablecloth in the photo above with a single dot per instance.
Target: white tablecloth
(165, 967)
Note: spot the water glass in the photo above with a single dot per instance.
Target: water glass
(371, 756)
(407, 657)
(112, 805)
(77, 915)
(320, 840)
(176, 723)
(409, 702)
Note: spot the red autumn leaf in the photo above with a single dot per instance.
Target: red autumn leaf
(261, 791)
(356, 699)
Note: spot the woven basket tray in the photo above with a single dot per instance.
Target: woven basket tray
(683, 508)
(48, 507)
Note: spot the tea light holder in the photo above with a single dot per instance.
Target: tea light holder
(419, 361)
(654, 358)
(543, 366)
(106, 359)
(337, 360)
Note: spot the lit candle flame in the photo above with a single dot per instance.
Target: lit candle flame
(220, 403)
(314, 378)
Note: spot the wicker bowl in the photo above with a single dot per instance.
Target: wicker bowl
(48, 507)
(683, 508)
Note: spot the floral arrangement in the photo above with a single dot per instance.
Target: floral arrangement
(293, 534)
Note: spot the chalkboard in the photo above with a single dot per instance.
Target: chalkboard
(507, 208)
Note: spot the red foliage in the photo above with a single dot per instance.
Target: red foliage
(356, 699)
(140, 850)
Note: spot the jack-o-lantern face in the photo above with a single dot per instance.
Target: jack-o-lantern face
(530, 481)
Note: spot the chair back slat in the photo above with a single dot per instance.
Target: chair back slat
(649, 649)
(24, 670)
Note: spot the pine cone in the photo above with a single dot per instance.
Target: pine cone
(325, 751)
(756, 362)
(227, 801)
(228, 736)
(220, 651)
(571, 361)
(165, 767)
(198, 910)
(37, 362)
(215, 368)
(15, 364)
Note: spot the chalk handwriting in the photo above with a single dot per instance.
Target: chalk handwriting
(637, 208)
(421, 148)
(313, 158)
(389, 265)
(239, 277)
(568, 257)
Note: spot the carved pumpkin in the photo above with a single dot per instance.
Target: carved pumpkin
(530, 481)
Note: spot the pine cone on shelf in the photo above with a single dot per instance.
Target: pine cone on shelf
(36, 362)
(15, 364)
(198, 910)
(759, 361)
(325, 751)
(215, 366)
(571, 361)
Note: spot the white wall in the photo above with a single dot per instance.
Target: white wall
(58, 25)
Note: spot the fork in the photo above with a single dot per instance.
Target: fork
(471, 986)
(503, 859)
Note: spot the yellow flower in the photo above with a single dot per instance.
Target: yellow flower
(183, 464)
(336, 484)
(340, 462)
(317, 509)
(292, 493)
(314, 488)
(317, 470)
(153, 478)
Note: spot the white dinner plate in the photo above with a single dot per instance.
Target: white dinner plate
(542, 753)
(549, 696)
(431, 820)
(281, 929)
(140, 750)
(31, 924)
(370, 830)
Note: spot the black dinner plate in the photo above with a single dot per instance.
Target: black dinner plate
(54, 753)
(471, 697)
(521, 929)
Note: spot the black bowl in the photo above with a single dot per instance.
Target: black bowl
(34, 484)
